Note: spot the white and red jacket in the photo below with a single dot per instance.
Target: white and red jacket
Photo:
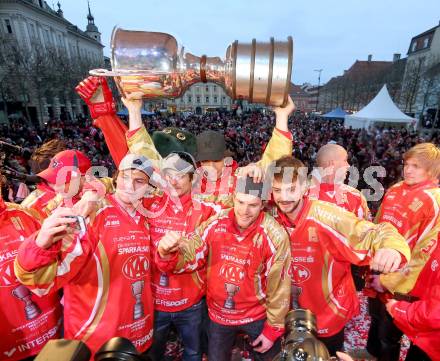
(403, 206)
(105, 274)
(176, 292)
(247, 277)
(325, 239)
(27, 321)
(415, 212)
(343, 196)
(420, 320)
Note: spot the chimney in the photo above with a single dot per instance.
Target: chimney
(396, 57)
(370, 57)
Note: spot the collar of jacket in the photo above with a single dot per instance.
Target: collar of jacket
(287, 222)
(422, 185)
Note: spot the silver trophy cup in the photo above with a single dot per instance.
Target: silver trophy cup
(231, 291)
(155, 65)
(137, 288)
(31, 309)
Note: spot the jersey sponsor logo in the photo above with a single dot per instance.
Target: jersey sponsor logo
(7, 275)
(299, 273)
(8, 255)
(220, 229)
(110, 223)
(325, 214)
(241, 321)
(141, 341)
(29, 345)
(167, 303)
(299, 259)
(159, 230)
(10, 352)
(434, 265)
(430, 246)
(392, 219)
(234, 259)
(136, 267)
(133, 249)
(124, 238)
(232, 273)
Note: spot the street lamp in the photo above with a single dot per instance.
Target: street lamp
(319, 71)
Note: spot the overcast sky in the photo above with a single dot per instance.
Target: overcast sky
(327, 34)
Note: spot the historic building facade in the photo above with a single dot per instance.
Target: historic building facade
(42, 56)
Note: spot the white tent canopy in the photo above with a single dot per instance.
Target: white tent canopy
(380, 110)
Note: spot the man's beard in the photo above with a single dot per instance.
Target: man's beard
(288, 207)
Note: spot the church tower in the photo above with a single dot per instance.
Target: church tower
(92, 29)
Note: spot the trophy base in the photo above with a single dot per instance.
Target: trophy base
(32, 311)
(163, 281)
(229, 304)
(138, 311)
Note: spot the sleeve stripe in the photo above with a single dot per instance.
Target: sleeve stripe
(330, 287)
(97, 299)
(64, 266)
(434, 219)
(361, 255)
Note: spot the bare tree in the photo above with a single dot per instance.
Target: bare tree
(411, 83)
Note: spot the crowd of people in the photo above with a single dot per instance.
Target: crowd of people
(246, 135)
(187, 236)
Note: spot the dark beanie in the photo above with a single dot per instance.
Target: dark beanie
(246, 185)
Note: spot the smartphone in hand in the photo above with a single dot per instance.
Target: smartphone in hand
(79, 225)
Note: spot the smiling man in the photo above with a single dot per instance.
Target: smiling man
(104, 270)
(247, 255)
(325, 239)
(178, 298)
(412, 207)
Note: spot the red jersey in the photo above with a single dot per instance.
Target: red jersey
(343, 196)
(420, 320)
(176, 292)
(105, 275)
(38, 201)
(415, 212)
(28, 321)
(247, 276)
(395, 207)
(325, 239)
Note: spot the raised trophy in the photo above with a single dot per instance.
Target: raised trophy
(155, 65)
(137, 288)
(231, 290)
(31, 309)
